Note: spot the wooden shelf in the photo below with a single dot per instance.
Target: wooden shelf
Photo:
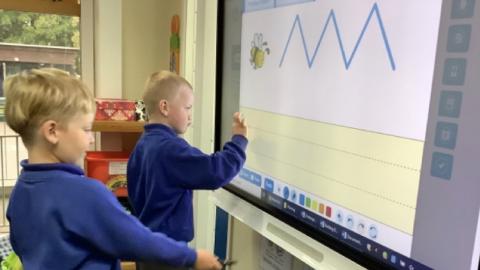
(118, 126)
(125, 132)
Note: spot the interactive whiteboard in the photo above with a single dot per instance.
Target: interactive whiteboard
(339, 96)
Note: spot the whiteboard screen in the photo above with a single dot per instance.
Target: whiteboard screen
(338, 95)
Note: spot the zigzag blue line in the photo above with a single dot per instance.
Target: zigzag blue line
(332, 17)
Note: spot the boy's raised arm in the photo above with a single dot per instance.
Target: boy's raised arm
(208, 171)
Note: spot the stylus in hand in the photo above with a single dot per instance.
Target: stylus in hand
(226, 263)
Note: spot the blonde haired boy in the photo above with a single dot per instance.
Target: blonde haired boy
(60, 219)
(163, 170)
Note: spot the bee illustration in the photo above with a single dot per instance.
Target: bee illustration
(257, 52)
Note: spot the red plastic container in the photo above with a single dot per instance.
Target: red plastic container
(109, 168)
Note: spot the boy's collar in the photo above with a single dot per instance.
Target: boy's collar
(71, 168)
(158, 126)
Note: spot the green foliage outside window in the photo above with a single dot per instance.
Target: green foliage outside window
(39, 29)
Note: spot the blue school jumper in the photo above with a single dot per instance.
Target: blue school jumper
(164, 169)
(60, 219)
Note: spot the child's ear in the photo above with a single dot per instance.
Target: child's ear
(163, 107)
(49, 130)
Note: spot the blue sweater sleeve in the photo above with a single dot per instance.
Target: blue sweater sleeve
(193, 169)
(99, 219)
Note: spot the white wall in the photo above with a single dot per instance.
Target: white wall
(200, 69)
(132, 41)
(146, 40)
(108, 48)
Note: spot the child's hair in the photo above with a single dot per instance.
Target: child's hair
(161, 85)
(38, 95)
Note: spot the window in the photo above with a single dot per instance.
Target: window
(33, 34)
(34, 40)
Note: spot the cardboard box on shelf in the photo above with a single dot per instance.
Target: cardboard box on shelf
(115, 109)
